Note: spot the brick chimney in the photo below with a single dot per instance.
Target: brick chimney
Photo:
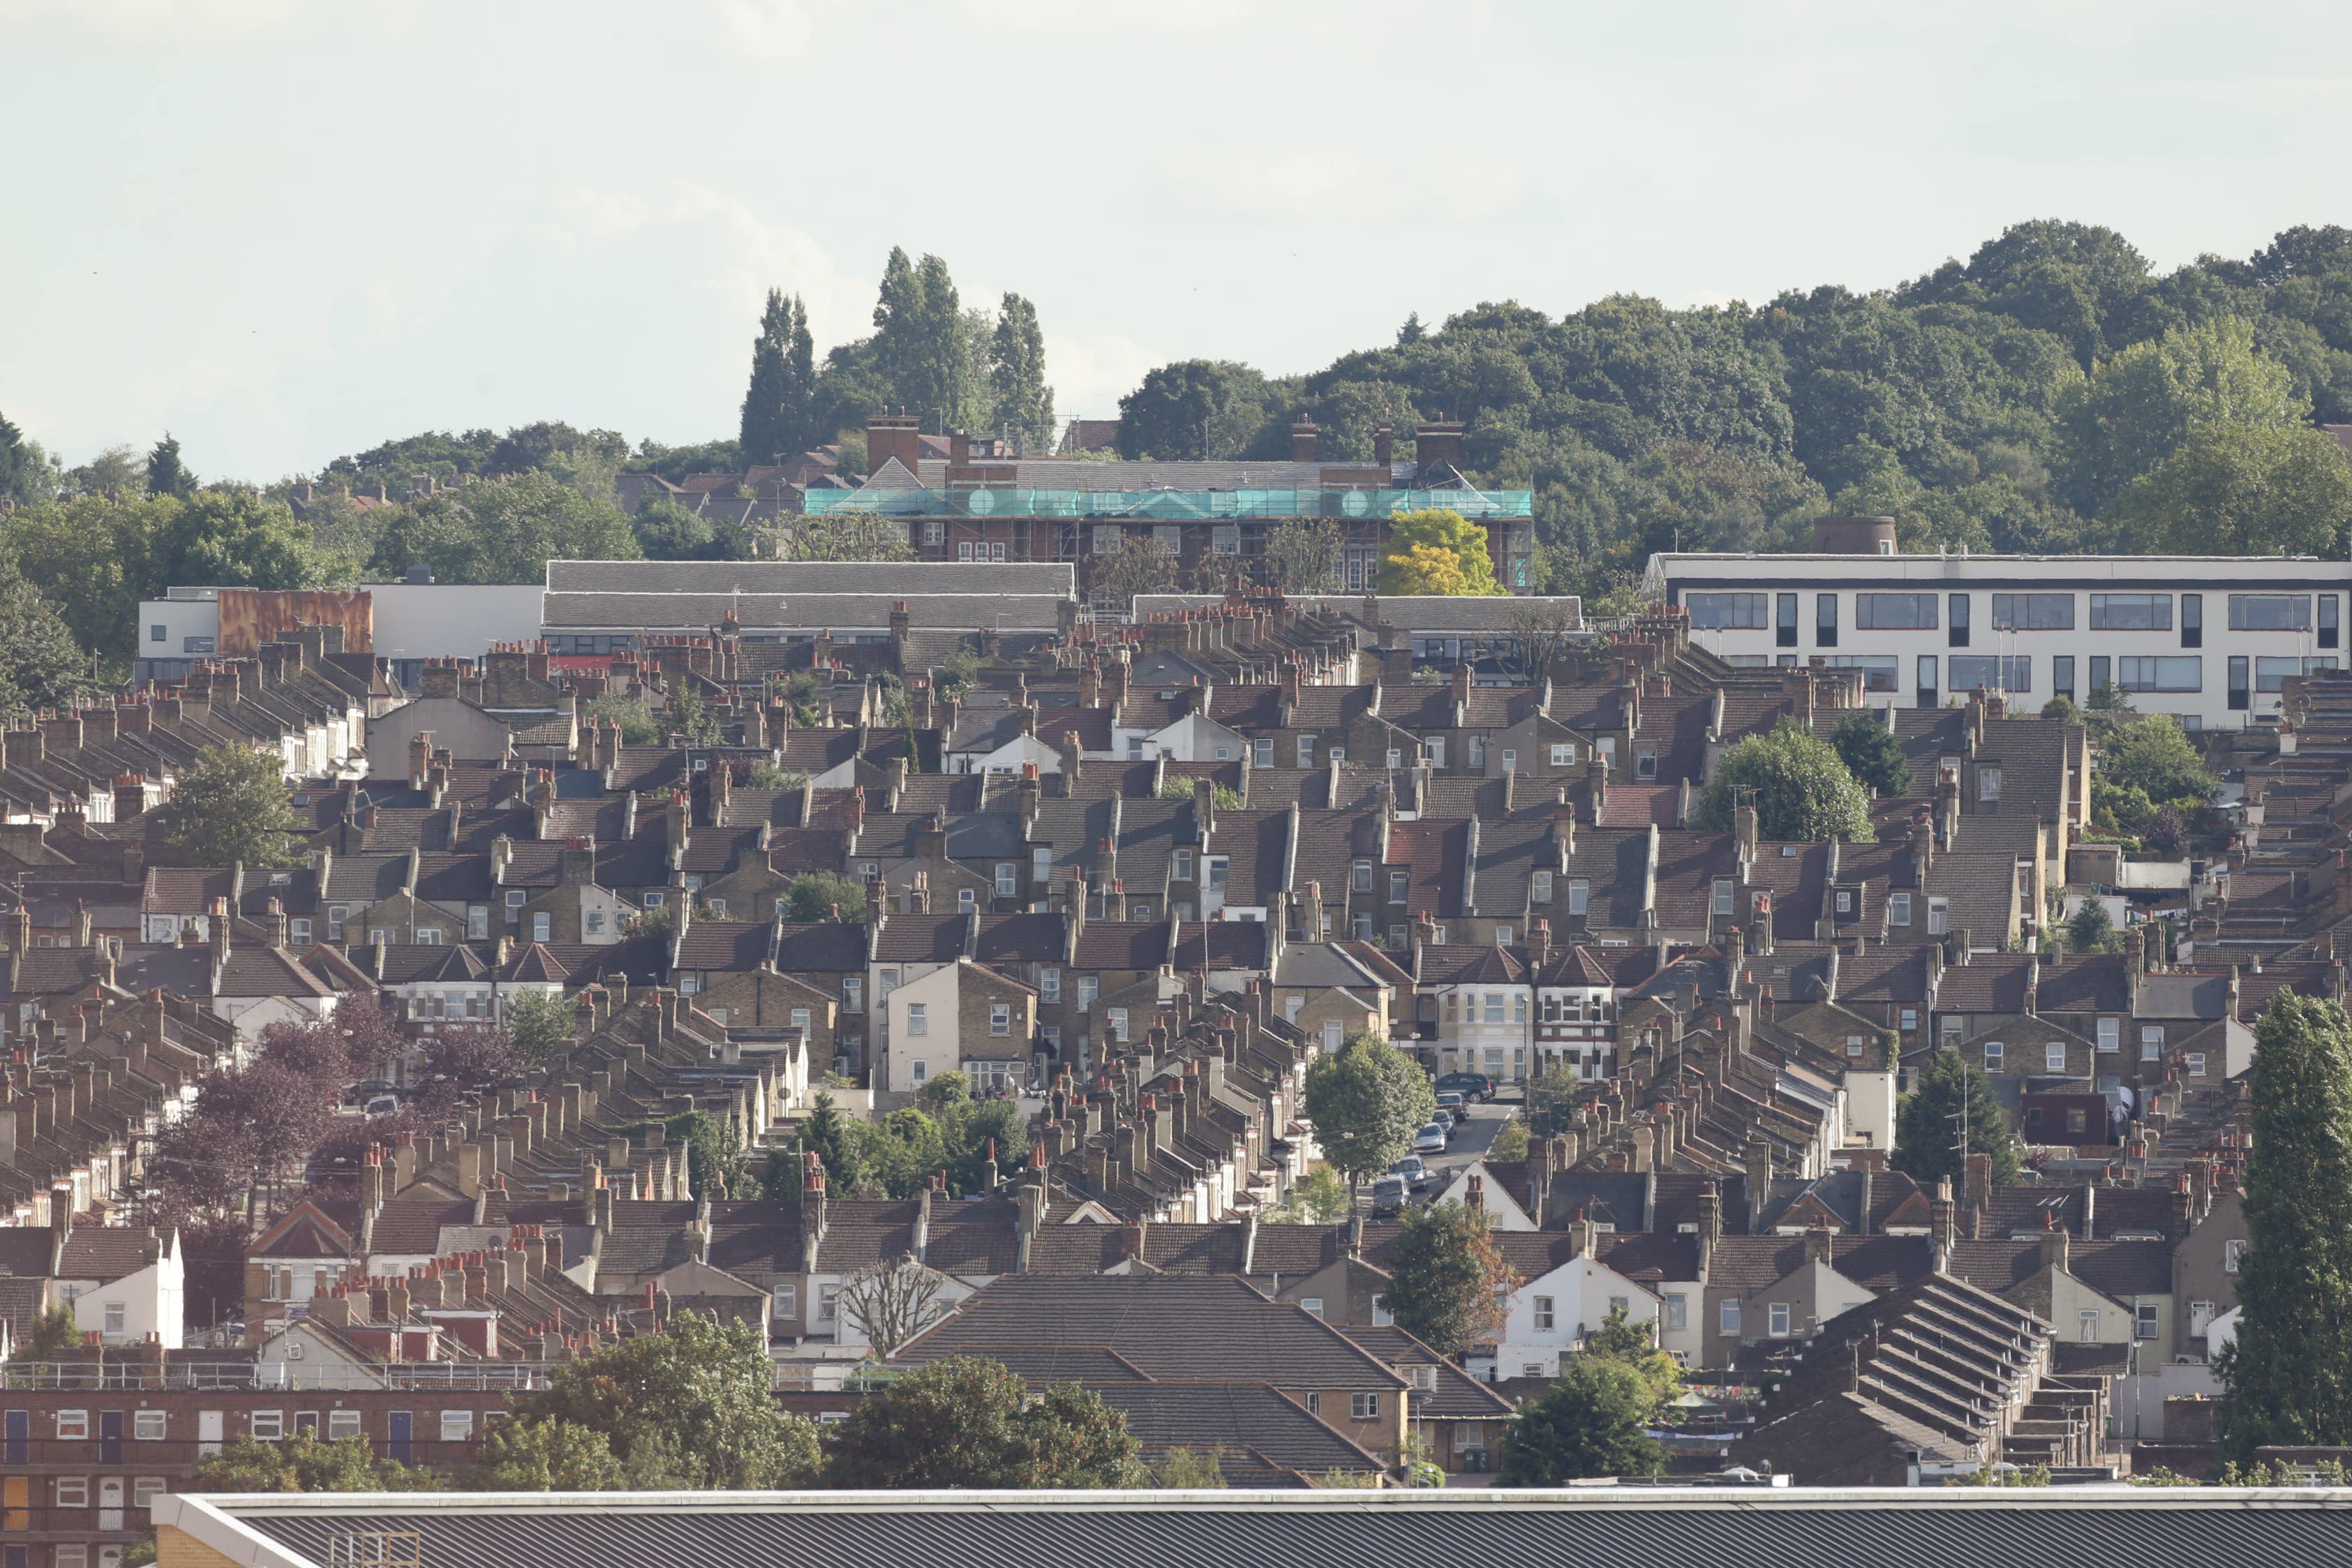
(1303, 439)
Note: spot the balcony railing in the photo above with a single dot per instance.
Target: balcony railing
(65, 1377)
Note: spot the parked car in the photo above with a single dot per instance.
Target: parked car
(1431, 1139)
(1416, 1175)
(1388, 1195)
(1451, 1104)
(1469, 1085)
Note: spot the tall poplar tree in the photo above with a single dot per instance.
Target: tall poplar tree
(942, 354)
(776, 406)
(900, 317)
(2287, 1376)
(1016, 374)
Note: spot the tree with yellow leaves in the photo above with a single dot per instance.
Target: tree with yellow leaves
(1436, 551)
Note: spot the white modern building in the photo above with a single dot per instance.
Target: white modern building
(2209, 639)
(414, 622)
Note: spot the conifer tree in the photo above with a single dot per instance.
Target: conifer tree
(166, 475)
(1024, 403)
(2287, 1376)
(784, 376)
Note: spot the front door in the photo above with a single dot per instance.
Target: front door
(398, 1430)
(210, 1425)
(110, 1436)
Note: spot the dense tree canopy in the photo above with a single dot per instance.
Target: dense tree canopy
(2287, 1376)
(231, 804)
(1929, 1126)
(1446, 1277)
(1366, 1100)
(968, 1422)
(1802, 790)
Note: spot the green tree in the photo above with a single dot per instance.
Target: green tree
(1318, 1197)
(2093, 930)
(668, 531)
(94, 560)
(1016, 373)
(1438, 529)
(627, 709)
(1928, 1125)
(2287, 1376)
(40, 666)
(1800, 786)
(776, 406)
(1303, 556)
(530, 1454)
(714, 1154)
(2243, 489)
(231, 804)
(1191, 1470)
(540, 1024)
(1446, 1277)
(1592, 1421)
(943, 1090)
(968, 1422)
(1871, 754)
(696, 1399)
(1621, 1338)
(843, 1146)
(2154, 755)
(233, 538)
(1142, 564)
(849, 535)
(505, 529)
(302, 1464)
(28, 474)
(2136, 408)
(815, 895)
(166, 475)
(1193, 408)
(46, 1337)
(1366, 1100)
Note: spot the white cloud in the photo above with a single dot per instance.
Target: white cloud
(775, 30)
(1090, 374)
(158, 21)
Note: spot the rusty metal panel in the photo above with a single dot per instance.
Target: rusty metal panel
(252, 616)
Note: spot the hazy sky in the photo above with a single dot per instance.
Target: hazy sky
(287, 229)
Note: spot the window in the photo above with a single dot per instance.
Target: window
(1362, 876)
(1007, 878)
(1183, 869)
(73, 1426)
(1727, 612)
(1563, 756)
(2089, 1320)
(1118, 1019)
(918, 1018)
(999, 1020)
(2330, 629)
(2151, 1042)
(146, 1489)
(268, 1425)
(1722, 896)
(1543, 1315)
(1845, 901)
(1049, 985)
(1779, 1321)
(157, 633)
(2131, 613)
(1363, 1407)
(73, 1491)
(514, 896)
(2146, 1312)
(1089, 986)
(429, 937)
(1898, 909)
(1784, 621)
(2232, 1251)
(922, 1071)
(1311, 1305)
(2173, 673)
(1993, 1051)
(967, 900)
(1261, 751)
(1400, 886)
(1314, 1403)
(800, 1020)
(1580, 896)
(1939, 915)
(2054, 1058)
(2193, 620)
(1825, 619)
(1895, 612)
(2111, 1034)
(852, 995)
(1436, 746)
(542, 925)
(2193, 1063)
(1541, 889)
(1477, 751)
(1727, 1317)
(1677, 1312)
(457, 1426)
(2240, 681)
(1307, 751)
(1910, 1019)
(2270, 612)
(2270, 675)
(2034, 612)
(2004, 673)
(1511, 762)
(717, 907)
(1989, 785)
(935, 531)
(2062, 675)
(147, 1426)
(1929, 693)
(1225, 541)
(1879, 672)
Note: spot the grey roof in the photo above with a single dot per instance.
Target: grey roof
(1319, 964)
(1913, 1528)
(1426, 612)
(810, 612)
(799, 577)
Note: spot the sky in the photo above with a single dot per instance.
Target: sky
(289, 229)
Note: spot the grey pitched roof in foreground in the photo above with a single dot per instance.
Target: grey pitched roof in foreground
(793, 577)
(1897, 1528)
